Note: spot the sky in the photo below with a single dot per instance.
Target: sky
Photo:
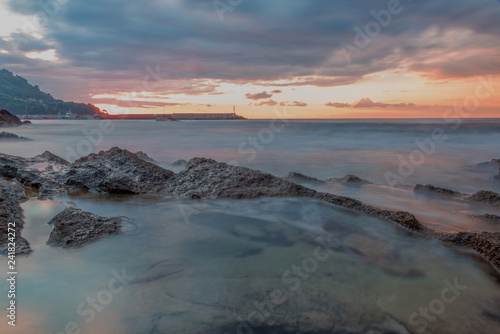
(308, 59)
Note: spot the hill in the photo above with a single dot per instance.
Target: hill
(16, 93)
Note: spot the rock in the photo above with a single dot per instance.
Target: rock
(494, 163)
(179, 163)
(74, 227)
(301, 178)
(430, 189)
(207, 178)
(44, 172)
(12, 137)
(486, 243)
(486, 218)
(348, 179)
(117, 171)
(8, 120)
(11, 216)
(145, 157)
(26, 122)
(485, 196)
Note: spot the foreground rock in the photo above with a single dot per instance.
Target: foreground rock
(485, 243)
(45, 173)
(4, 136)
(9, 120)
(76, 228)
(11, 216)
(117, 171)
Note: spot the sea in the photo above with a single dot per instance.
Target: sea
(267, 265)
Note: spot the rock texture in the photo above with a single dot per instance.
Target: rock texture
(485, 243)
(117, 171)
(349, 179)
(8, 120)
(486, 197)
(430, 189)
(487, 218)
(76, 228)
(145, 157)
(11, 215)
(4, 136)
(301, 178)
(179, 163)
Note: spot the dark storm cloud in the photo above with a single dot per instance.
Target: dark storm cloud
(260, 41)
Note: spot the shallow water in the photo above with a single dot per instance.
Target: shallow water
(231, 266)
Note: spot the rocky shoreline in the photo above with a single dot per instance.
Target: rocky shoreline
(120, 171)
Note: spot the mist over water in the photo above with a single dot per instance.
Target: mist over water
(201, 266)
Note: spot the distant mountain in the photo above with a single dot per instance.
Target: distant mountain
(16, 94)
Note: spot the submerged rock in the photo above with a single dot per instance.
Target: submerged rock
(301, 178)
(11, 216)
(74, 227)
(117, 171)
(4, 136)
(348, 179)
(8, 120)
(430, 189)
(486, 243)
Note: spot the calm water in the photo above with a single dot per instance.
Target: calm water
(254, 266)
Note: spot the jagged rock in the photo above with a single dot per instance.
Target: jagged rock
(8, 120)
(179, 163)
(485, 196)
(27, 122)
(487, 218)
(117, 171)
(486, 243)
(430, 189)
(12, 213)
(74, 227)
(12, 137)
(145, 157)
(494, 163)
(207, 178)
(44, 172)
(348, 179)
(301, 178)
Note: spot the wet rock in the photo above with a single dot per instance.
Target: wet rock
(349, 179)
(486, 197)
(7, 136)
(301, 178)
(26, 122)
(11, 216)
(44, 172)
(430, 189)
(117, 171)
(8, 120)
(207, 178)
(486, 243)
(74, 227)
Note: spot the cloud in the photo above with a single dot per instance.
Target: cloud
(111, 44)
(270, 103)
(258, 96)
(293, 104)
(338, 105)
(369, 103)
